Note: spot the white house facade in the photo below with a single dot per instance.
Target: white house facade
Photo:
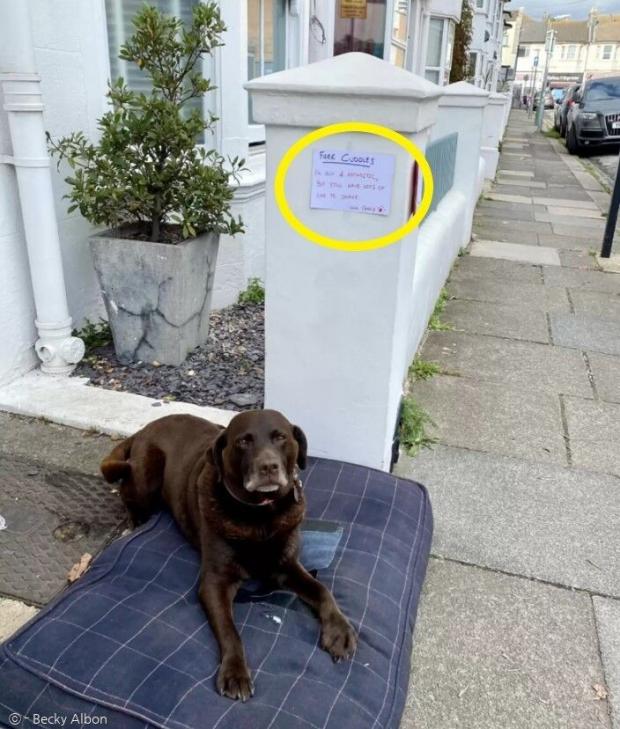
(73, 49)
(485, 56)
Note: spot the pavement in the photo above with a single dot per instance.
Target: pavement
(519, 623)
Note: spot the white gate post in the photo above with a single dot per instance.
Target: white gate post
(337, 321)
(492, 133)
(57, 349)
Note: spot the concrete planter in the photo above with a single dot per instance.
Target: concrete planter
(157, 295)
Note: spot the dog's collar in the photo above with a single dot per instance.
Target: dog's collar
(296, 491)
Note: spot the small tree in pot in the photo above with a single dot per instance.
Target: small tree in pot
(164, 196)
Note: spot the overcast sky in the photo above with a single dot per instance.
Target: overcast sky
(578, 9)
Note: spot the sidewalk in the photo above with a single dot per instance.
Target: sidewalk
(519, 626)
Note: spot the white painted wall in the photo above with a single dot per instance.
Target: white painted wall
(337, 322)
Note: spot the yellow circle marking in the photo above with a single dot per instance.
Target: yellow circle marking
(353, 245)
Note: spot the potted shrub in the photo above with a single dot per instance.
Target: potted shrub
(163, 196)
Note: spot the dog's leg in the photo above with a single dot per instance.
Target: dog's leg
(337, 636)
(216, 596)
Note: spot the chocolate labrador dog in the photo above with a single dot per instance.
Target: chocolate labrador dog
(236, 495)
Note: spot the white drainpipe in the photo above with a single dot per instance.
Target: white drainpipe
(58, 350)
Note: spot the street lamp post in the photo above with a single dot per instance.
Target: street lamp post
(592, 24)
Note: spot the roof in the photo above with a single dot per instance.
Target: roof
(571, 31)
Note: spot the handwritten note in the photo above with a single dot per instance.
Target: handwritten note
(359, 182)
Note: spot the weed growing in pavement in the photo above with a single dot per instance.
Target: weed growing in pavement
(420, 369)
(435, 324)
(413, 424)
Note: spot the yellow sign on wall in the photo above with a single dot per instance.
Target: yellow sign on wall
(353, 9)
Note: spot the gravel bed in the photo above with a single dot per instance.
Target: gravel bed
(227, 372)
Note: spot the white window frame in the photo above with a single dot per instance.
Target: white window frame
(604, 48)
(445, 32)
(572, 47)
(394, 42)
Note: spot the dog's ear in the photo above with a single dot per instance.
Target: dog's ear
(215, 453)
(302, 453)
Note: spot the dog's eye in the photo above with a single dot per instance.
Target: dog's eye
(245, 441)
(278, 437)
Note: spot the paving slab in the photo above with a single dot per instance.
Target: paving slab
(576, 212)
(606, 371)
(559, 202)
(593, 231)
(590, 280)
(55, 445)
(581, 259)
(518, 364)
(594, 434)
(494, 418)
(499, 197)
(607, 615)
(580, 225)
(498, 320)
(498, 652)
(503, 211)
(517, 293)
(596, 303)
(13, 614)
(560, 525)
(571, 192)
(585, 332)
(514, 173)
(565, 242)
(474, 267)
(611, 264)
(540, 255)
(505, 233)
(532, 184)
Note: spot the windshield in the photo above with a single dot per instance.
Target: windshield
(558, 94)
(603, 90)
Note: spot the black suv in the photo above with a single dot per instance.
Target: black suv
(594, 118)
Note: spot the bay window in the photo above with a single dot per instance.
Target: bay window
(360, 26)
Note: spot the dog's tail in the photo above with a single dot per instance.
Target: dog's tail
(115, 466)
(139, 466)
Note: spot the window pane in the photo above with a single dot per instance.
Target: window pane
(266, 40)
(399, 21)
(397, 56)
(435, 36)
(360, 26)
(432, 76)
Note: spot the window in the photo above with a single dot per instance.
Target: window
(439, 50)
(400, 33)
(472, 65)
(505, 42)
(360, 27)
(571, 53)
(480, 4)
(606, 53)
(523, 52)
(563, 52)
(266, 45)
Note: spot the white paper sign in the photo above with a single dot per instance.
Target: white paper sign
(359, 182)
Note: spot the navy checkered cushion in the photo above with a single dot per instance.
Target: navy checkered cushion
(129, 641)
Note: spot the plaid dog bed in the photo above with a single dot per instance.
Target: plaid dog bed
(128, 645)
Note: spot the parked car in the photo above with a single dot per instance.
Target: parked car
(560, 112)
(594, 119)
(549, 103)
(558, 95)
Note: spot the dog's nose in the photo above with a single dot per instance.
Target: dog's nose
(268, 468)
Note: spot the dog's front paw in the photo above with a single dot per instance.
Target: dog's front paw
(234, 680)
(338, 637)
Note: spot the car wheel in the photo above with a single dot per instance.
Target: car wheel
(562, 129)
(572, 144)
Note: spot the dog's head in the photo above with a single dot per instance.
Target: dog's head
(257, 456)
